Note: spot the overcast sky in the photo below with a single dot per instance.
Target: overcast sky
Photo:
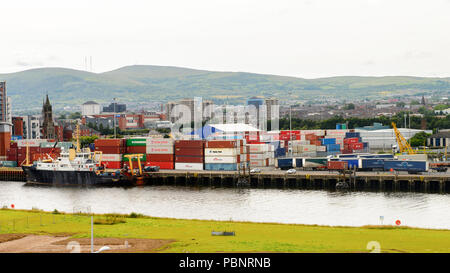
(314, 38)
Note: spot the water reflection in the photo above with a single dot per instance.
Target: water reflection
(243, 204)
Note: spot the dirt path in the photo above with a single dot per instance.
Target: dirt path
(20, 243)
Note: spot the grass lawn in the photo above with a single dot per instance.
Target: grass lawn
(195, 235)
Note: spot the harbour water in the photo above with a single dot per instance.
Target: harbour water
(256, 205)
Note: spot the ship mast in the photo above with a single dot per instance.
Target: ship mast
(78, 138)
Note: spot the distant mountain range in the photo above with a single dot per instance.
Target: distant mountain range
(145, 83)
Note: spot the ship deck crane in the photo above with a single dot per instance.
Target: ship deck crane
(403, 144)
(139, 177)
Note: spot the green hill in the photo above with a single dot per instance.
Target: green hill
(147, 83)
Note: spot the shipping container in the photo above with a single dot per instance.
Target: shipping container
(189, 143)
(222, 151)
(30, 142)
(160, 142)
(337, 165)
(326, 141)
(136, 149)
(189, 159)
(351, 140)
(353, 163)
(8, 164)
(109, 142)
(110, 149)
(221, 159)
(356, 146)
(160, 150)
(221, 166)
(161, 165)
(189, 151)
(408, 165)
(113, 164)
(109, 157)
(318, 162)
(221, 144)
(418, 157)
(160, 157)
(136, 142)
(371, 163)
(189, 166)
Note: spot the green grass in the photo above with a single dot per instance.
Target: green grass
(195, 235)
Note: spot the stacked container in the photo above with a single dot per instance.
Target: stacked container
(223, 155)
(112, 152)
(189, 154)
(160, 152)
(260, 155)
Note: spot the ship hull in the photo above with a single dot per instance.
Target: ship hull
(70, 178)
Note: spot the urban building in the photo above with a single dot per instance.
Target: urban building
(17, 128)
(4, 112)
(115, 108)
(90, 108)
(31, 128)
(203, 106)
(440, 139)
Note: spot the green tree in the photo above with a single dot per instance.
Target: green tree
(419, 139)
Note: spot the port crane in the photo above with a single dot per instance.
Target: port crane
(403, 144)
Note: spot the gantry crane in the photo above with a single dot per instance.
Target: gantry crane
(403, 144)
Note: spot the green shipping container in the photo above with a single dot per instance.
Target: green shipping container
(64, 145)
(8, 164)
(143, 158)
(47, 144)
(136, 142)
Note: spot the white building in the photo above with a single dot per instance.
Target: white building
(90, 108)
(31, 127)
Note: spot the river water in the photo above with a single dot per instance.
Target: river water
(256, 205)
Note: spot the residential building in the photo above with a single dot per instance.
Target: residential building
(31, 128)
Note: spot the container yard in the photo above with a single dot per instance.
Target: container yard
(337, 152)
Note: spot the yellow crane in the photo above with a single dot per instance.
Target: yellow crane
(130, 160)
(403, 144)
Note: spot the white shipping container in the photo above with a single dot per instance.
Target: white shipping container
(159, 141)
(109, 157)
(189, 166)
(257, 163)
(220, 159)
(159, 149)
(257, 148)
(308, 148)
(222, 151)
(321, 148)
(257, 156)
(30, 142)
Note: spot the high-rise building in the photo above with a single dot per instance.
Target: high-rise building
(3, 103)
(205, 110)
(31, 128)
(115, 108)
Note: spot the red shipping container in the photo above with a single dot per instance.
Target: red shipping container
(160, 158)
(356, 146)
(190, 143)
(189, 159)
(111, 150)
(13, 145)
(221, 144)
(351, 140)
(109, 142)
(189, 151)
(162, 165)
(337, 165)
(112, 164)
(311, 137)
(136, 149)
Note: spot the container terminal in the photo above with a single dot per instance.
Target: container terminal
(292, 158)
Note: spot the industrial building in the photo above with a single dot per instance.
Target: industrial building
(439, 139)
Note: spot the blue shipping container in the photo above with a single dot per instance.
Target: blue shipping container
(406, 165)
(326, 141)
(352, 134)
(333, 147)
(285, 163)
(221, 166)
(371, 163)
(352, 162)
